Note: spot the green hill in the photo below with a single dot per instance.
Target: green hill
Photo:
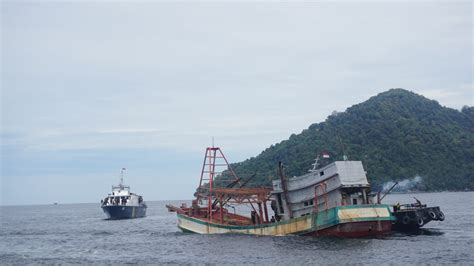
(396, 134)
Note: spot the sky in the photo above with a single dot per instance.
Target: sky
(90, 87)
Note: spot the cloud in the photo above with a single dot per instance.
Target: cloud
(452, 96)
(170, 76)
(189, 67)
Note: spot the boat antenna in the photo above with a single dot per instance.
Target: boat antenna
(344, 156)
(315, 165)
(121, 176)
(213, 141)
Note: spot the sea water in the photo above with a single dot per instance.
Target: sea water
(79, 234)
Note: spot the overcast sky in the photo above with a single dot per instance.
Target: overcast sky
(89, 88)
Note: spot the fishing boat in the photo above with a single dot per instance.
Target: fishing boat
(330, 200)
(122, 204)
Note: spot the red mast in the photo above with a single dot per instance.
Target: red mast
(214, 164)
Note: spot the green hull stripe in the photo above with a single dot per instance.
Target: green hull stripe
(320, 220)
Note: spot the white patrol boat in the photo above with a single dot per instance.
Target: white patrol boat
(122, 204)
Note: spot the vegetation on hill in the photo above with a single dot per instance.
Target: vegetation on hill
(396, 134)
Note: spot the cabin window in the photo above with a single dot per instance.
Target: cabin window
(321, 173)
(308, 203)
(354, 201)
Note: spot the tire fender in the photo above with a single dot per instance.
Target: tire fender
(419, 221)
(432, 215)
(406, 220)
(440, 216)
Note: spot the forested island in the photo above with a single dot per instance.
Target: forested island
(396, 134)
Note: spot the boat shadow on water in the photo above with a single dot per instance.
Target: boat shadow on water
(420, 231)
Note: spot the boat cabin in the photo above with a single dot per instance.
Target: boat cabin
(338, 183)
(121, 196)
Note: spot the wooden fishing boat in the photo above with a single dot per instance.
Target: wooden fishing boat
(332, 200)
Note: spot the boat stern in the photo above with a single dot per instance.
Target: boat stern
(354, 221)
(362, 213)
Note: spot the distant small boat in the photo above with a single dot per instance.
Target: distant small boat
(122, 204)
(55, 203)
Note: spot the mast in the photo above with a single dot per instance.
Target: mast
(344, 156)
(285, 189)
(214, 164)
(121, 177)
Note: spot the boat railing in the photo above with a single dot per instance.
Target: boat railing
(120, 187)
(410, 206)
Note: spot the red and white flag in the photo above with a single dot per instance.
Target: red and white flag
(325, 155)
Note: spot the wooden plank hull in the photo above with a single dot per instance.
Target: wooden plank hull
(356, 229)
(343, 221)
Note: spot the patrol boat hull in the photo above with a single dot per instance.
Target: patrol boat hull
(124, 212)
